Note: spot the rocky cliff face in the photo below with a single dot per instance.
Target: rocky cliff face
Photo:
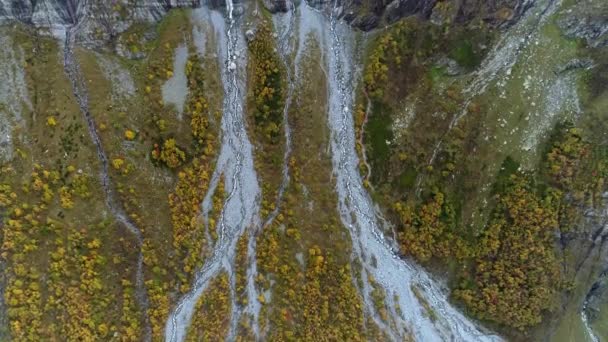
(363, 14)
(40, 12)
(369, 14)
(100, 22)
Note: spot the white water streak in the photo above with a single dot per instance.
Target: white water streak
(591, 334)
(393, 274)
(235, 161)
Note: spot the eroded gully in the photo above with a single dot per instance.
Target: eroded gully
(72, 70)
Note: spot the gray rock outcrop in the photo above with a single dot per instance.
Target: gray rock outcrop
(362, 14)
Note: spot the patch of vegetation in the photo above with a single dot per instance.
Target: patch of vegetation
(175, 244)
(218, 204)
(169, 153)
(464, 54)
(407, 179)
(303, 256)
(78, 262)
(508, 168)
(425, 303)
(134, 41)
(432, 180)
(576, 167)
(566, 155)
(267, 84)
(64, 261)
(380, 135)
(412, 103)
(241, 263)
(188, 229)
(429, 230)
(211, 318)
(516, 275)
(510, 273)
(266, 102)
(379, 298)
(393, 50)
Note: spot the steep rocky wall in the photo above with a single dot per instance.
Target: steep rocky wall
(362, 14)
(369, 14)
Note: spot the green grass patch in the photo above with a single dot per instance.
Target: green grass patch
(464, 54)
(379, 135)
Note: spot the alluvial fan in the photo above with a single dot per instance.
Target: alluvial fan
(235, 162)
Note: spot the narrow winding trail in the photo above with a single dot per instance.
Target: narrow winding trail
(72, 70)
(235, 162)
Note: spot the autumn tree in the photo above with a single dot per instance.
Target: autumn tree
(516, 272)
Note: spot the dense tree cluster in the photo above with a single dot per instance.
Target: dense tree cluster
(566, 155)
(509, 272)
(130, 323)
(429, 231)
(158, 292)
(197, 107)
(515, 274)
(267, 84)
(192, 158)
(189, 236)
(317, 301)
(300, 255)
(507, 265)
(266, 100)
(578, 168)
(57, 280)
(159, 69)
(397, 67)
(516, 271)
(76, 304)
(190, 232)
(392, 49)
(305, 281)
(169, 153)
(188, 227)
(212, 312)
